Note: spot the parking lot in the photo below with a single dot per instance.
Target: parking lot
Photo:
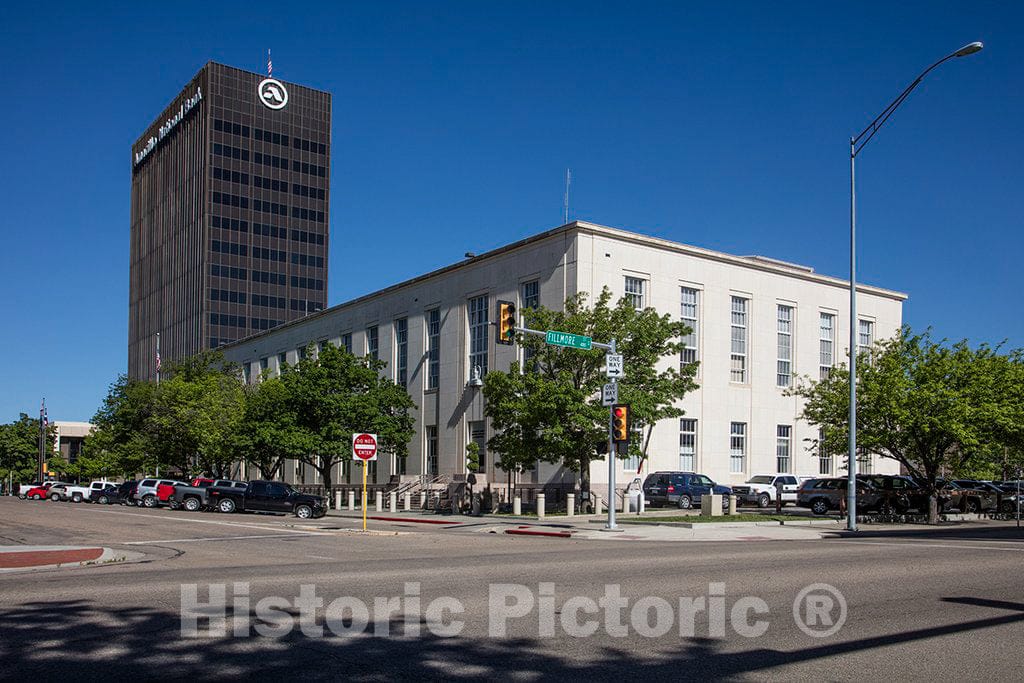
(940, 602)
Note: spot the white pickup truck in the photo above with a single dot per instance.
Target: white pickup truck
(760, 490)
(77, 494)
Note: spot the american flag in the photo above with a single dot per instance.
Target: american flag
(270, 64)
(158, 361)
(42, 414)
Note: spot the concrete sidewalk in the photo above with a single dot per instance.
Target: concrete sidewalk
(591, 527)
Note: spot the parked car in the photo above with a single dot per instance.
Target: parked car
(194, 497)
(823, 495)
(43, 490)
(761, 489)
(111, 494)
(266, 496)
(901, 494)
(986, 496)
(23, 489)
(165, 492)
(682, 489)
(79, 493)
(146, 494)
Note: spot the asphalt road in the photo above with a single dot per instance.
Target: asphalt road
(919, 605)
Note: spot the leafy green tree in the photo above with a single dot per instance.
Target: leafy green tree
(269, 432)
(121, 441)
(334, 395)
(551, 411)
(937, 409)
(19, 449)
(197, 411)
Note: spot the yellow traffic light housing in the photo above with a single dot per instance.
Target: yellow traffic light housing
(621, 419)
(506, 322)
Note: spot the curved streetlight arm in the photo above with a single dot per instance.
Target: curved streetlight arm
(880, 120)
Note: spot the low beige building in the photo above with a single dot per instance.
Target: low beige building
(758, 324)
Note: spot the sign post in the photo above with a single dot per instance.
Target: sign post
(364, 447)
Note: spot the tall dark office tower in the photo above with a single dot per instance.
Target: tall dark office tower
(229, 214)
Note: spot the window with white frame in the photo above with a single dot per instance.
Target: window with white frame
(738, 337)
(635, 291)
(372, 341)
(824, 456)
(402, 353)
(783, 437)
(784, 365)
(826, 351)
(430, 434)
(737, 447)
(687, 444)
(689, 313)
(865, 464)
(865, 336)
(346, 342)
(478, 328)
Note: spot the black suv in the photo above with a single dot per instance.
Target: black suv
(901, 494)
(682, 489)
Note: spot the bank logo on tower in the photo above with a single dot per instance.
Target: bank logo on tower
(272, 93)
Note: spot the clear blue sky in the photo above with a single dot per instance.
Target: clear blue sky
(723, 125)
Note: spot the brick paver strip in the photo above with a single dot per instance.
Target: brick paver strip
(35, 558)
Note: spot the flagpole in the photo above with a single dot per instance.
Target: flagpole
(41, 465)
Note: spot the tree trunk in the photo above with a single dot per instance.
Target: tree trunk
(325, 473)
(933, 508)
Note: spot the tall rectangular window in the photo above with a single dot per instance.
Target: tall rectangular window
(737, 447)
(689, 309)
(529, 297)
(478, 329)
(282, 360)
(784, 365)
(824, 456)
(430, 433)
(433, 348)
(865, 336)
(864, 462)
(372, 342)
(738, 336)
(346, 341)
(783, 437)
(635, 292)
(402, 352)
(687, 444)
(478, 435)
(826, 352)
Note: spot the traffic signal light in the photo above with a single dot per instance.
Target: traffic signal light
(506, 322)
(621, 419)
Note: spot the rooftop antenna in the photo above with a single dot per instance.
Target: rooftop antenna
(270, 65)
(565, 203)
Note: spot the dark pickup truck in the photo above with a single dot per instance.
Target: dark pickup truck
(194, 497)
(266, 496)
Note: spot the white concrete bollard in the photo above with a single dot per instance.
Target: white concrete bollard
(597, 503)
(711, 505)
(625, 502)
(540, 505)
(379, 500)
(393, 501)
(732, 505)
(517, 506)
(570, 504)
(407, 503)
(641, 503)
(423, 499)
(351, 500)
(337, 499)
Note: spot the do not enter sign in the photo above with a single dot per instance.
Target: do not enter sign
(364, 447)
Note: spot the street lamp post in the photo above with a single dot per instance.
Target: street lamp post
(856, 145)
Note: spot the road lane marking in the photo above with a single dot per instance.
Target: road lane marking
(219, 538)
(321, 557)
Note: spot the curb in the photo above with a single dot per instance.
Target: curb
(413, 520)
(530, 532)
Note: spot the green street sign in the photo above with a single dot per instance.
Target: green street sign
(575, 341)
